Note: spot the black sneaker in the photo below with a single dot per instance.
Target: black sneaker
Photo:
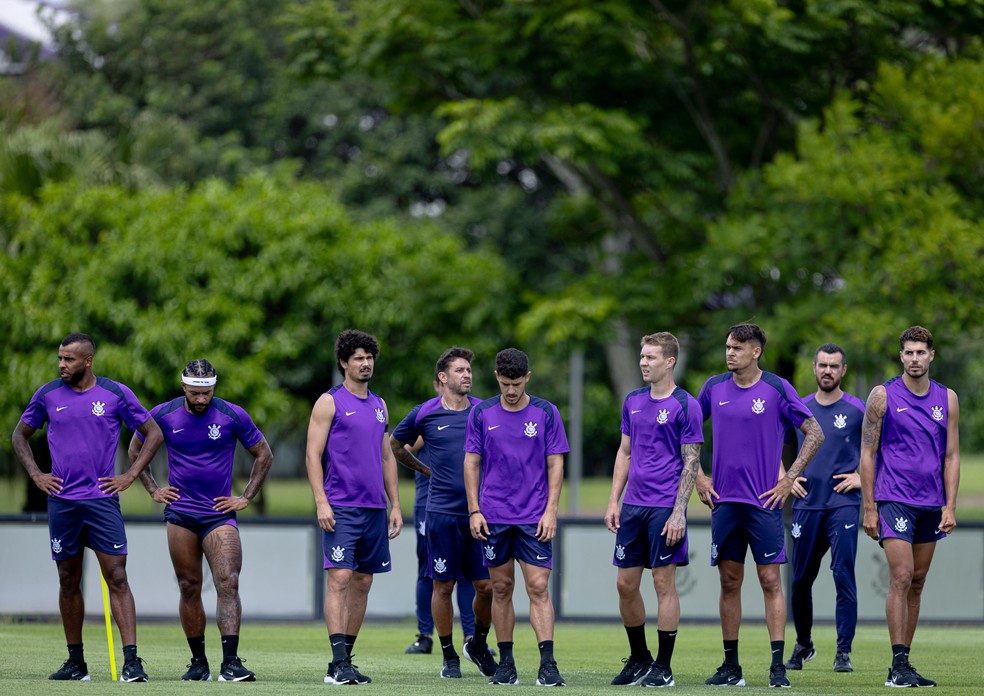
(549, 675)
(451, 669)
(341, 672)
(777, 677)
(842, 662)
(658, 677)
(232, 670)
(800, 655)
(727, 675)
(71, 671)
(902, 676)
(505, 673)
(423, 645)
(133, 671)
(198, 670)
(633, 671)
(920, 679)
(483, 658)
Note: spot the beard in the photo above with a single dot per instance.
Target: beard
(74, 378)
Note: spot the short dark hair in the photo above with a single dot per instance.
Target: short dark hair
(350, 341)
(449, 356)
(77, 337)
(665, 341)
(512, 363)
(747, 332)
(829, 348)
(199, 368)
(917, 334)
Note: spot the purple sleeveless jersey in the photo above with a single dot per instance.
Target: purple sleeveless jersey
(353, 456)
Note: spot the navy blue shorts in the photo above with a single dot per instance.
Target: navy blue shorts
(75, 524)
(736, 527)
(420, 533)
(912, 523)
(516, 541)
(815, 532)
(199, 524)
(639, 541)
(454, 554)
(360, 541)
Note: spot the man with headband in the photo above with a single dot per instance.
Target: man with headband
(201, 432)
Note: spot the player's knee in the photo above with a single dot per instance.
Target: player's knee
(538, 588)
(502, 588)
(227, 583)
(918, 583)
(483, 588)
(443, 589)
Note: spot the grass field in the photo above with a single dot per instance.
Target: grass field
(292, 658)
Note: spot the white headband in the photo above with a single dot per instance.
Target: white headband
(198, 381)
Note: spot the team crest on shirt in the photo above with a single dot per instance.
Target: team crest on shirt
(530, 429)
(937, 413)
(758, 406)
(490, 552)
(619, 552)
(901, 524)
(337, 554)
(56, 546)
(380, 416)
(796, 531)
(714, 552)
(213, 431)
(440, 566)
(662, 416)
(840, 421)
(98, 408)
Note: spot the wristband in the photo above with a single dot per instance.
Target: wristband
(475, 512)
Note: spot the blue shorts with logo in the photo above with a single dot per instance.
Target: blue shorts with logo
(360, 541)
(639, 541)
(75, 524)
(516, 541)
(201, 525)
(454, 553)
(913, 523)
(420, 533)
(736, 527)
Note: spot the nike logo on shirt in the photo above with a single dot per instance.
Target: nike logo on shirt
(899, 410)
(350, 413)
(442, 427)
(493, 427)
(177, 431)
(60, 408)
(848, 526)
(722, 403)
(638, 410)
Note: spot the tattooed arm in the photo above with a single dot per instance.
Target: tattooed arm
(874, 414)
(676, 526)
(405, 455)
(811, 443)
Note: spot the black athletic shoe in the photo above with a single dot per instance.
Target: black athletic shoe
(232, 670)
(902, 676)
(485, 659)
(549, 675)
(133, 671)
(777, 677)
(505, 673)
(341, 672)
(801, 654)
(198, 670)
(658, 677)
(633, 671)
(920, 679)
(423, 645)
(71, 671)
(727, 675)
(842, 662)
(451, 669)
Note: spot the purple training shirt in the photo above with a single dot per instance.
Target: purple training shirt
(353, 456)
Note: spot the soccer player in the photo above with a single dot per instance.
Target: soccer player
(750, 410)
(515, 444)
(201, 432)
(826, 510)
(454, 555)
(352, 472)
(84, 413)
(656, 466)
(910, 469)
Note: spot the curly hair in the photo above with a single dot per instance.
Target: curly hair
(350, 341)
(512, 363)
(917, 334)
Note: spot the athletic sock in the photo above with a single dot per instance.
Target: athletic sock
(900, 655)
(546, 651)
(129, 653)
(349, 643)
(778, 648)
(506, 651)
(230, 647)
(338, 651)
(75, 653)
(731, 652)
(638, 647)
(481, 637)
(197, 645)
(447, 646)
(667, 639)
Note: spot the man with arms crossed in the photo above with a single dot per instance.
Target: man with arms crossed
(910, 469)
(656, 465)
(352, 472)
(826, 509)
(201, 432)
(84, 413)
(515, 443)
(750, 411)
(454, 555)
